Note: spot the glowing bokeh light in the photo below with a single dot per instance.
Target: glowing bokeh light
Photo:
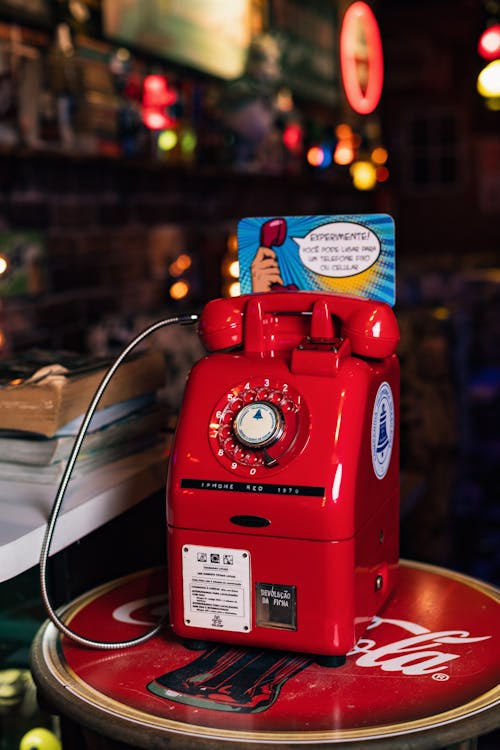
(234, 269)
(156, 92)
(284, 100)
(167, 140)
(381, 174)
(184, 261)
(292, 137)
(343, 131)
(441, 313)
(327, 157)
(315, 156)
(123, 54)
(155, 120)
(344, 153)
(180, 264)
(489, 43)
(188, 141)
(488, 80)
(179, 290)
(379, 155)
(363, 175)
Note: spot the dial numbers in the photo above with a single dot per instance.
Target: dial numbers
(258, 426)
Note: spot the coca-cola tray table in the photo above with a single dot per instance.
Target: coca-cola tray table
(425, 675)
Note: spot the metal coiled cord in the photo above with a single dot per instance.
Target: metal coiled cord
(58, 501)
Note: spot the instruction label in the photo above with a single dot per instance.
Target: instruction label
(216, 586)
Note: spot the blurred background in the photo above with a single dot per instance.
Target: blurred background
(135, 134)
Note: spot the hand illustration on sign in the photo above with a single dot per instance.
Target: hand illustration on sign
(264, 269)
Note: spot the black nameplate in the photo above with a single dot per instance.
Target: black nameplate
(257, 488)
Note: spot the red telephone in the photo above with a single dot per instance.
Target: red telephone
(283, 486)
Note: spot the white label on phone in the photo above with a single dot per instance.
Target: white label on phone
(216, 587)
(382, 436)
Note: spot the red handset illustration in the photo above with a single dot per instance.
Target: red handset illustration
(264, 269)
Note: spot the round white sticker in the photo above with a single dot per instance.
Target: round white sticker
(382, 437)
(257, 424)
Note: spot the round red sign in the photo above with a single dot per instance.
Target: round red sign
(361, 58)
(430, 660)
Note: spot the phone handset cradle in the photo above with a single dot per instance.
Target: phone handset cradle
(257, 322)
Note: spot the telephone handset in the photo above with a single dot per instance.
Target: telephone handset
(262, 323)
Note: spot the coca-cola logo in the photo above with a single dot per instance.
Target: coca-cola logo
(146, 611)
(413, 655)
(423, 652)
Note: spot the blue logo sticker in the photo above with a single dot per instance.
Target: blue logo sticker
(382, 436)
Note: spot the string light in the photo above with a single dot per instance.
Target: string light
(441, 313)
(232, 243)
(156, 97)
(344, 153)
(284, 100)
(489, 43)
(381, 174)
(180, 264)
(363, 175)
(167, 140)
(344, 150)
(188, 141)
(230, 267)
(155, 120)
(379, 155)
(157, 92)
(179, 290)
(320, 156)
(316, 156)
(343, 131)
(292, 137)
(488, 80)
(234, 269)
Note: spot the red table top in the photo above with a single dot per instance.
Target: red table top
(427, 666)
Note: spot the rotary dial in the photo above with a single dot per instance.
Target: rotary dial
(258, 426)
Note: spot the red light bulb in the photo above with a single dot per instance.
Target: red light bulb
(489, 43)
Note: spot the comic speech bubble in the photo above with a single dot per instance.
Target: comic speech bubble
(339, 249)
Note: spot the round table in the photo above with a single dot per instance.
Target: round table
(424, 675)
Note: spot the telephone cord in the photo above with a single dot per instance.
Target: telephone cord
(59, 498)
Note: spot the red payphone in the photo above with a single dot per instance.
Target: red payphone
(283, 486)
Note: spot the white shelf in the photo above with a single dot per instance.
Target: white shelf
(90, 502)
